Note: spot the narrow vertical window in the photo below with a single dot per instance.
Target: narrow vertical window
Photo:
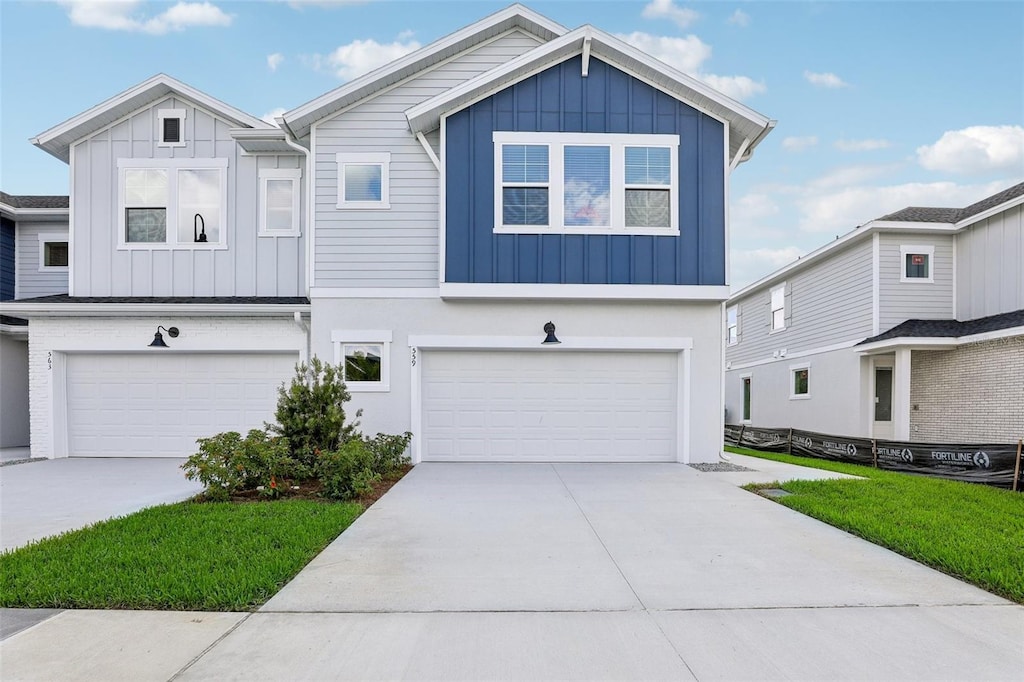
(732, 335)
(279, 202)
(524, 184)
(145, 205)
(171, 127)
(800, 381)
(746, 399)
(778, 303)
(587, 185)
(648, 187)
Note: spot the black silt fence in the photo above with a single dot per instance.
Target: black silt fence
(991, 464)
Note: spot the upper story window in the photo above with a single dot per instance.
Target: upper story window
(586, 183)
(732, 328)
(53, 251)
(364, 180)
(171, 127)
(172, 203)
(916, 263)
(778, 303)
(279, 202)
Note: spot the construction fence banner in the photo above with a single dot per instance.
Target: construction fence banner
(991, 464)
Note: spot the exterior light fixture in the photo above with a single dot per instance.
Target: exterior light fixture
(550, 339)
(158, 338)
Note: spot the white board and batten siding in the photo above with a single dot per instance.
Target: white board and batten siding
(827, 303)
(396, 247)
(990, 266)
(901, 301)
(248, 266)
(31, 280)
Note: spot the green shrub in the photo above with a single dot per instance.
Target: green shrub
(311, 411)
(347, 471)
(227, 463)
(388, 452)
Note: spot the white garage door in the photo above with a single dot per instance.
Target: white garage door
(549, 406)
(150, 405)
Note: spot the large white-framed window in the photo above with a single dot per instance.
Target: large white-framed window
(917, 263)
(170, 127)
(586, 183)
(53, 252)
(364, 180)
(172, 203)
(778, 308)
(279, 202)
(364, 356)
(732, 326)
(800, 381)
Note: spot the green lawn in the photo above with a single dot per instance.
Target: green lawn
(970, 531)
(186, 556)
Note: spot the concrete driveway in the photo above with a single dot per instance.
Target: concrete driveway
(39, 499)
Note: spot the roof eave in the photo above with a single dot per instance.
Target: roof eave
(31, 310)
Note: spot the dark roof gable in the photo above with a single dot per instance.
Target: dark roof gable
(950, 328)
(34, 200)
(926, 214)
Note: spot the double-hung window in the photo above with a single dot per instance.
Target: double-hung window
(732, 329)
(778, 303)
(586, 183)
(172, 203)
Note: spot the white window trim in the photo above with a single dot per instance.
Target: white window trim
(382, 159)
(162, 114)
(172, 166)
(793, 369)
(266, 174)
(772, 329)
(927, 250)
(47, 238)
(556, 142)
(341, 337)
(747, 376)
(728, 337)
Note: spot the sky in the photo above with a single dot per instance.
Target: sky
(880, 105)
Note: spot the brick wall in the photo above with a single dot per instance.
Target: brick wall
(974, 393)
(52, 339)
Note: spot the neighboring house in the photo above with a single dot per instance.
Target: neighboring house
(33, 262)
(910, 328)
(438, 212)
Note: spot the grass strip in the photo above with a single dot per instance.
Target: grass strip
(185, 556)
(970, 531)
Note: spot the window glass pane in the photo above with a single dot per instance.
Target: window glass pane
(363, 362)
(145, 187)
(778, 298)
(778, 318)
(146, 225)
(363, 182)
(524, 206)
(199, 193)
(800, 377)
(55, 254)
(648, 166)
(279, 205)
(917, 265)
(883, 394)
(648, 208)
(524, 163)
(172, 130)
(587, 183)
(746, 399)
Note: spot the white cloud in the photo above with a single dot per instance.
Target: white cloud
(274, 60)
(128, 15)
(361, 56)
(737, 87)
(825, 80)
(977, 149)
(868, 145)
(846, 176)
(798, 144)
(667, 9)
(273, 114)
(748, 265)
(299, 4)
(739, 18)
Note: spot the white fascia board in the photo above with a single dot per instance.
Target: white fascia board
(635, 292)
(303, 116)
(32, 310)
(595, 343)
(1006, 205)
(938, 343)
(909, 226)
(374, 292)
(34, 213)
(16, 330)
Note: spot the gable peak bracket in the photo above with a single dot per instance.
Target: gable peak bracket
(587, 37)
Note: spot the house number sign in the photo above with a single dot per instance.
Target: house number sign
(49, 360)
(413, 350)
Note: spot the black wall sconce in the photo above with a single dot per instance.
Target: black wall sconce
(550, 339)
(158, 338)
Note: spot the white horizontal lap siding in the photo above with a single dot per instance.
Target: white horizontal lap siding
(901, 301)
(826, 304)
(549, 406)
(989, 271)
(32, 281)
(372, 248)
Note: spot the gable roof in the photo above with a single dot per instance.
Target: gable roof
(747, 127)
(58, 139)
(950, 328)
(923, 214)
(299, 120)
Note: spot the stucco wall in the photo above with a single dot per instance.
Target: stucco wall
(14, 432)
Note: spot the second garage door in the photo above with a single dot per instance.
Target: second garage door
(549, 406)
(150, 405)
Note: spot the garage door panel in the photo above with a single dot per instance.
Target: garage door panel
(138, 405)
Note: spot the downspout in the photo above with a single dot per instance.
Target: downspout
(290, 140)
(309, 341)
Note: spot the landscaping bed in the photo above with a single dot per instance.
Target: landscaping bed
(970, 531)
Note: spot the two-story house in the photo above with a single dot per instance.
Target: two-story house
(910, 327)
(33, 262)
(513, 240)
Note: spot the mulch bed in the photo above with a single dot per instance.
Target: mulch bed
(312, 489)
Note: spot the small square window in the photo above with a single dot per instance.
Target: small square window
(800, 382)
(363, 180)
(363, 358)
(916, 263)
(363, 362)
(55, 254)
(171, 127)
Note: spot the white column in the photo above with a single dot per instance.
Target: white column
(901, 395)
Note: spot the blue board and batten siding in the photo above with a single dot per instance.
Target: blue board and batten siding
(6, 259)
(559, 99)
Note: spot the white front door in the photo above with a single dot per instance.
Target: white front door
(156, 404)
(565, 406)
(882, 407)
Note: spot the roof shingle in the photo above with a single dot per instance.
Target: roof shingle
(926, 214)
(34, 200)
(950, 328)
